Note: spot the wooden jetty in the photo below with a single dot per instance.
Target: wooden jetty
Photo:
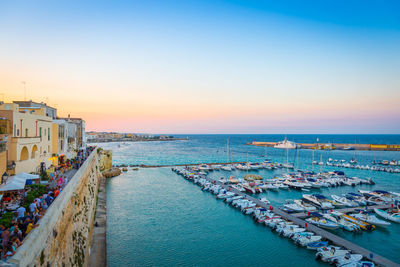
(372, 256)
(335, 146)
(346, 210)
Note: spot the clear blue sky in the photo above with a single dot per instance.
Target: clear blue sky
(208, 66)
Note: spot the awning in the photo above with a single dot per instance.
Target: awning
(17, 182)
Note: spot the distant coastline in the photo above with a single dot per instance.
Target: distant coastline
(135, 140)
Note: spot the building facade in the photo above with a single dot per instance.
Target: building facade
(31, 139)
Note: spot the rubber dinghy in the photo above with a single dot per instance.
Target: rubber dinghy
(317, 245)
(394, 217)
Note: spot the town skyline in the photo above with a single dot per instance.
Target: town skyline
(206, 67)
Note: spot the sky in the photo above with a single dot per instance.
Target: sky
(207, 66)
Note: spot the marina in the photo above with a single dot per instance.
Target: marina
(295, 218)
(274, 166)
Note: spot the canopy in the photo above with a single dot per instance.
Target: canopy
(18, 181)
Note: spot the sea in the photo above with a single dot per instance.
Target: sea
(157, 218)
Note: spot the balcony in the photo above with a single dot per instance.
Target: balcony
(26, 140)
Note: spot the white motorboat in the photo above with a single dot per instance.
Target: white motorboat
(286, 144)
(304, 205)
(319, 200)
(330, 253)
(319, 221)
(305, 240)
(345, 201)
(372, 219)
(346, 259)
(336, 217)
(391, 216)
(291, 205)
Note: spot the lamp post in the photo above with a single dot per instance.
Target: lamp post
(4, 177)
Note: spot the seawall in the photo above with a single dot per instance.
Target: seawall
(64, 233)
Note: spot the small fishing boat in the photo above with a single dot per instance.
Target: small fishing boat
(389, 215)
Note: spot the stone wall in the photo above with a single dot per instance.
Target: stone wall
(64, 234)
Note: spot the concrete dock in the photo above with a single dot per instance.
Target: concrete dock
(336, 240)
(335, 146)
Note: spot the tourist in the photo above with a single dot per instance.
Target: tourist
(9, 251)
(21, 212)
(32, 207)
(5, 236)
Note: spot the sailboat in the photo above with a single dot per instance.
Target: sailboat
(227, 167)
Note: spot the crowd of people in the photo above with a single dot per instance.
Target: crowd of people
(27, 215)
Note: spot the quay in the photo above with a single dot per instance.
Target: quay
(372, 256)
(189, 164)
(335, 146)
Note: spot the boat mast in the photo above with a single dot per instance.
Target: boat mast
(297, 167)
(247, 160)
(312, 163)
(227, 150)
(320, 169)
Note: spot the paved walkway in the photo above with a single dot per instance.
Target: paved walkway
(98, 251)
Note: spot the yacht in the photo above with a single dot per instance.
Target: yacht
(286, 144)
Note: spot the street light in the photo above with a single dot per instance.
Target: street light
(4, 177)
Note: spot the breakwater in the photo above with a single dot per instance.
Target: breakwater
(64, 233)
(333, 146)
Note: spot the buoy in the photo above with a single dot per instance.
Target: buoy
(308, 213)
(331, 210)
(306, 224)
(392, 205)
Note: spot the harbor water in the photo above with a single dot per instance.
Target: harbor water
(156, 218)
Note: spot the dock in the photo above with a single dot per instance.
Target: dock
(336, 240)
(335, 146)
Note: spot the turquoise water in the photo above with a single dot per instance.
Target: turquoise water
(156, 218)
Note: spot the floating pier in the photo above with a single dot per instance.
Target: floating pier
(335, 146)
(372, 256)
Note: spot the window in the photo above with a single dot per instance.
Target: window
(40, 132)
(26, 132)
(48, 134)
(15, 130)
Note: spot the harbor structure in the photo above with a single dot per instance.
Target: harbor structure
(333, 146)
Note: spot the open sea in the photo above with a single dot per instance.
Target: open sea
(157, 218)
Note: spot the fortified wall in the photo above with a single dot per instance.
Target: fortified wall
(64, 234)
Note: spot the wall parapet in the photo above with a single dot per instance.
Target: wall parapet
(64, 231)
